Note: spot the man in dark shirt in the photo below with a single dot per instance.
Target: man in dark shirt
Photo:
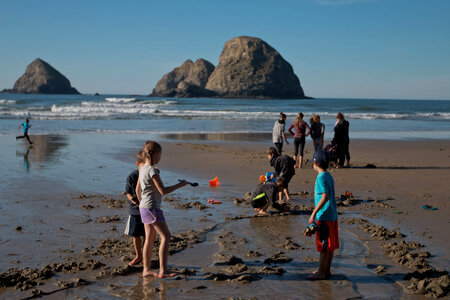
(284, 167)
(266, 194)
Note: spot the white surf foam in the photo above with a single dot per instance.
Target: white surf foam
(119, 100)
(5, 101)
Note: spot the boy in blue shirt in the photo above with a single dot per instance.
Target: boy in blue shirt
(135, 227)
(325, 215)
(26, 125)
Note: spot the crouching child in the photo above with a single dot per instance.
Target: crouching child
(267, 194)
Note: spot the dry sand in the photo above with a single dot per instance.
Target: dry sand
(390, 246)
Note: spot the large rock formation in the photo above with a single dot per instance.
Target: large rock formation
(41, 78)
(251, 68)
(186, 81)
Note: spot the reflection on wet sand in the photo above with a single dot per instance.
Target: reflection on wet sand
(45, 148)
(235, 136)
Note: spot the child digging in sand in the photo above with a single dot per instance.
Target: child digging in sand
(325, 214)
(149, 190)
(266, 194)
(284, 167)
(135, 227)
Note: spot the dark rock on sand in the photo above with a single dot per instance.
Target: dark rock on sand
(42, 78)
(251, 68)
(186, 81)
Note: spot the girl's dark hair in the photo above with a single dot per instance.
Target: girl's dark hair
(340, 116)
(149, 148)
(282, 115)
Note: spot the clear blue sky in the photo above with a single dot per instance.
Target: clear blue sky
(338, 48)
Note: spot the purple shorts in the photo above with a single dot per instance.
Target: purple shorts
(150, 216)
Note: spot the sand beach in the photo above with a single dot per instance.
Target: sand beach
(63, 217)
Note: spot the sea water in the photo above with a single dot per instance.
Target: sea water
(77, 114)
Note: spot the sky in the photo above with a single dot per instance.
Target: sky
(379, 49)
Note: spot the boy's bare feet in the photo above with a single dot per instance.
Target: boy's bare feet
(135, 261)
(149, 273)
(167, 274)
(262, 213)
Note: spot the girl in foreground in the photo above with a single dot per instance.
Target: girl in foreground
(149, 191)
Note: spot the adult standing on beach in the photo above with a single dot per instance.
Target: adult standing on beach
(317, 132)
(299, 138)
(341, 139)
(278, 133)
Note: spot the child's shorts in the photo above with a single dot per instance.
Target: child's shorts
(327, 237)
(134, 227)
(259, 201)
(150, 216)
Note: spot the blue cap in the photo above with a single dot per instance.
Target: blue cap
(320, 156)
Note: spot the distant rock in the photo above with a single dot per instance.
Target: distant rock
(41, 78)
(186, 81)
(251, 68)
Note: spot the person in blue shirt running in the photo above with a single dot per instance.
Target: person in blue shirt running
(26, 125)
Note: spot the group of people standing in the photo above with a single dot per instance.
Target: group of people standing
(299, 129)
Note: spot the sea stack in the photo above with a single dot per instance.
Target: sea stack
(42, 78)
(186, 81)
(251, 68)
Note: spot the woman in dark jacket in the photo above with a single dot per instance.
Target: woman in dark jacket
(342, 139)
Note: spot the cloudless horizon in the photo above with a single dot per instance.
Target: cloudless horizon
(378, 49)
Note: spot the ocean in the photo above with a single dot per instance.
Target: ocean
(85, 114)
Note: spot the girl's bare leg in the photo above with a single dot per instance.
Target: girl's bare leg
(164, 233)
(150, 235)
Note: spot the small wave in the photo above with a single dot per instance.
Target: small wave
(5, 101)
(120, 100)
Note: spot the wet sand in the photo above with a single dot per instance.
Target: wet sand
(64, 216)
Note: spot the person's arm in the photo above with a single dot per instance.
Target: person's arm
(163, 190)
(290, 129)
(132, 199)
(322, 133)
(318, 207)
(20, 126)
(309, 129)
(139, 190)
(285, 138)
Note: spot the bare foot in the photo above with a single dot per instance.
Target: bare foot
(149, 273)
(327, 275)
(262, 213)
(135, 261)
(167, 274)
(316, 276)
(295, 167)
